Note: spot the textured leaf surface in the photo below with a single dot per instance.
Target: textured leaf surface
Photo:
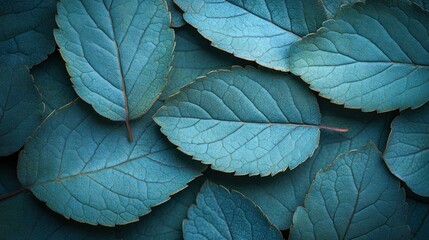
(254, 30)
(333, 6)
(280, 195)
(194, 57)
(26, 29)
(176, 14)
(246, 121)
(355, 198)
(118, 53)
(53, 83)
(165, 221)
(372, 57)
(21, 106)
(418, 219)
(24, 217)
(407, 152)
(76, 150)
(220, 214)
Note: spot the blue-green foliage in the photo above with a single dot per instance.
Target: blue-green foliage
(176, 14)
(373, 56)
(53, 82)
(407, 152)
(244, 120)
(254, 30)
(165, 221)
(85, 169)
(333, 6)
(118, 53)
(21, 106)
(354, 198)
(280, 195)
(24, 217)
(220, 214)
(418, 219)
(193, 57)
(26, 29)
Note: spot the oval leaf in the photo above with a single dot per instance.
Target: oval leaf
(407, 152)
(355, 198)
(261, 31)
(194, 57)
(76, 150)
(165, 221)
(220, 214)
(373, 56)
(117, 54)
(418, 219)
(53, 82)
(21, 106)
(279, 196)
(246, 121)
(26, 29)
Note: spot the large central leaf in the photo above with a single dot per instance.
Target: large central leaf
(246, 121)
(84, 168)
(118, 53)
(255, 30)
(373, 56)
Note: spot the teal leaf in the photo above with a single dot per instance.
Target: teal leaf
(176, 14)
(418, 219)
(194, 57)
(118, 54)
(220, 214)
(53, 82)
(246, 120)
(422, 3)
(373, 56)
(280, 195)
(333, 6)
(26, 29)
(260, 31)
(165, 221)
(354, 198)
(76, 150)
(21, 106)
(407, 151)
(24, 217)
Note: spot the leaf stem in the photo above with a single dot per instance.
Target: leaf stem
(11, 194)
(130, 131)
(335, 129)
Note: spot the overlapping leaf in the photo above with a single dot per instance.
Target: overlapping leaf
(407, 152)
(193, 57)
(247, 121)
(254, 30)
(220, 214)
(53, 83)
(373, 56)
(165, 221)
(355, 198)
(118, 53)
(333, 6)
(21, 106)
(26, 29)
(84, 168)
(24, 217)
(418, 219)
(176, 14)
(280, 195)
(422, 3)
